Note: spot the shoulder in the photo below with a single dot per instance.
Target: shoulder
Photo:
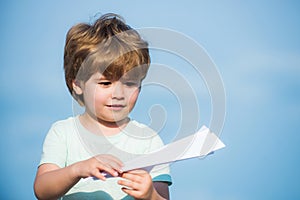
(65, 123)
(62, 128)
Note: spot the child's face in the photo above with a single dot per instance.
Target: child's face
(110, 101)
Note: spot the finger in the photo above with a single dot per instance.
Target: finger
(138, 172)
(133, 177)
(130, 192)
(99, 175)
(127, 184)
(110, 161)
(107, 168)
(115, 166)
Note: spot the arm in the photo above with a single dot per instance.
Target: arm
(162, 188)
(138, 184)
(53, 182)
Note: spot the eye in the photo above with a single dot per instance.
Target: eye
(105, 83)
(131, 83)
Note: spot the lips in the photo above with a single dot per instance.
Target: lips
(116, 106)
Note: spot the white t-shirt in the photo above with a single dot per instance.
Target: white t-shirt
(68, 142)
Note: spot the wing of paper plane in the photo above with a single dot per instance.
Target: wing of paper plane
(199, 144)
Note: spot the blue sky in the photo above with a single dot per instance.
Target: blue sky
(254, 44)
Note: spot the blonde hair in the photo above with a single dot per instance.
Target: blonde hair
(108, 46)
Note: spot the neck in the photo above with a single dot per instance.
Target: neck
(101, 127)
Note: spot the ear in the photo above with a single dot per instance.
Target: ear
(76, 87)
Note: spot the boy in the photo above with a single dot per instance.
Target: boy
(104, 65)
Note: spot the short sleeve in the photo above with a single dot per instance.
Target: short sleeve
(55, 147)
(163, 178)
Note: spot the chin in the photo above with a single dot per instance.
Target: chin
(116, 119)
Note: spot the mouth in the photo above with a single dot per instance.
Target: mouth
(116, 106)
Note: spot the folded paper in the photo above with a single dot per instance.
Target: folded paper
(199, 144)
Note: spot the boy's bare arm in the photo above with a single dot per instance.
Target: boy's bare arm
(53, 182)
(162, 189)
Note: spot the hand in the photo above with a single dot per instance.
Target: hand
(138, 184)
(98, 164)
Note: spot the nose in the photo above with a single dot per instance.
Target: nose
(118, 91)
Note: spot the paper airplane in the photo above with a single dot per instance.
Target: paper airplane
(199, 144)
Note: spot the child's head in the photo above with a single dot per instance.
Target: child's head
(108, 46)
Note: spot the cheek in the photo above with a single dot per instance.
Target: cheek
(95, 96)
(98, 100)
(100, 96)
(133, 96)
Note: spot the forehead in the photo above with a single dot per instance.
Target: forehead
(97, 76)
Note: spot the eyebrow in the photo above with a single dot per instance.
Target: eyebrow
(102, 78)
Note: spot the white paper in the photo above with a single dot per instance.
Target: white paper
(199, 144)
